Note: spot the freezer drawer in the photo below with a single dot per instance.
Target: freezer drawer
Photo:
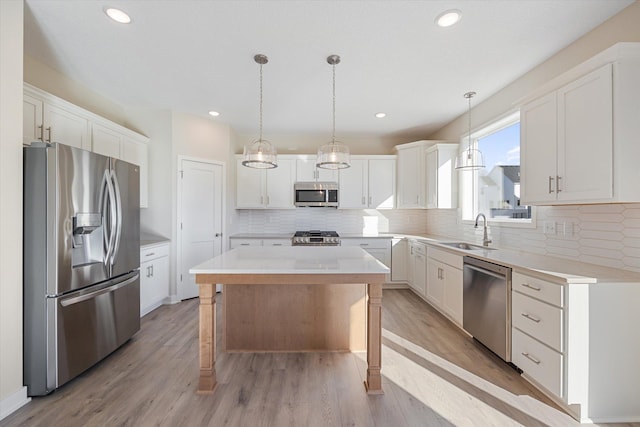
(82, 328)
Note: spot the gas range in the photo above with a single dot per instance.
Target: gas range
(315, 238)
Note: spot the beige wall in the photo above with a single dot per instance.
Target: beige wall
(623, 27)
(46, 78)
(12, 393)
(309, 144)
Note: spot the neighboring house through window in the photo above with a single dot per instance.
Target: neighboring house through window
(495, 190)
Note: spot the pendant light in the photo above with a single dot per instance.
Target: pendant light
(260, 154)
(333, 155)
(471, 158)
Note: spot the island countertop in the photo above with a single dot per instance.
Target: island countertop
(292, 260)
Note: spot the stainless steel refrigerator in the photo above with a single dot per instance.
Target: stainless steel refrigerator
(81, 261)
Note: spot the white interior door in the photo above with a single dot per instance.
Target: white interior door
(199, 220)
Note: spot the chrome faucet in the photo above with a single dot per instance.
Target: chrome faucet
(485, 237)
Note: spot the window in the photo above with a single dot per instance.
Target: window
(495, 190)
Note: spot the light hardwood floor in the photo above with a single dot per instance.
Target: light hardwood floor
(433, 375)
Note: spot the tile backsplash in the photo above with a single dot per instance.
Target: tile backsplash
(606, 235)
(368, 221)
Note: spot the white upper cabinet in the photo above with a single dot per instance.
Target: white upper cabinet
(441, 176)
(411, 190)
(48, 118)
(306, 170)
(368, 183)
(354, 185)
(426, 175)
(106, 141)
(265, 188)
(47, 121)
(579, 138)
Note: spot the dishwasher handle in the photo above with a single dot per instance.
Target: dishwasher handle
(481, 265)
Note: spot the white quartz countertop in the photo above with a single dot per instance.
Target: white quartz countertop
(558, 269)
(292, 260)
(551, 268)
(261, 236)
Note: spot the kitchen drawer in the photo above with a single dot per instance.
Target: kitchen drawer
(538, 361)
(149, 253)
(367, 243)
(541, 289)
(446, 257)
(235, 243)
(538, 319)
(417, 248)
(276, 242)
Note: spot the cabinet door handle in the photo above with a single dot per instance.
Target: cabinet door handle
(526, 285)
(267, 200)
(363, 202)
(218, 235)
(530, 317)
(41, 127)
(49, 130)
(262, 200)
(151, 266)
(550, 186)
(558, 178)
(533, 359)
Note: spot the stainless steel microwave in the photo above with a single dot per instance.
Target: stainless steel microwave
(316, 194)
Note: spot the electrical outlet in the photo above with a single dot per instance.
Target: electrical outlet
(567, 229)
(549, 227)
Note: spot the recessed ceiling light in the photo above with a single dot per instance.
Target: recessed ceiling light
(214, 113)
(381, 115)
(448, 18)
(117, 15)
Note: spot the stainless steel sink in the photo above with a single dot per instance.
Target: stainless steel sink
(467, 246)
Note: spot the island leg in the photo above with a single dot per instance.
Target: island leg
(207, 381)
(373, 384)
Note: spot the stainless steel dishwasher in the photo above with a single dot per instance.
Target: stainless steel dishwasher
(486, 304)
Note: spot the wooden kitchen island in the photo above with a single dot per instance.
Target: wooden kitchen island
(292, 299)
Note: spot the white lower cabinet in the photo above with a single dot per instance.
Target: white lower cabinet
(444, 283)
(154, 276)
(538, 361)
(380, 248)
(399, 260)
(417, 267)
(236, 243)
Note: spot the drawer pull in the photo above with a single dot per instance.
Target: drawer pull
(364, 244)
(276, 244)
(526, 285)
(150, 254)
(530, 317)
(533, 359)
(245, 244)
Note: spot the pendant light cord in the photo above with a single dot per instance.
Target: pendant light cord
(333, 135)
(469, 117)
(260, 103)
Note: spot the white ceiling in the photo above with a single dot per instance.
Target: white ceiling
(194, 56)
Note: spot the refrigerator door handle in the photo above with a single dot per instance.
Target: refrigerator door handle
(91, 295)
(118, 204)
(109, 209)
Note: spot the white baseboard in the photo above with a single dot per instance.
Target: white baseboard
(13, 402)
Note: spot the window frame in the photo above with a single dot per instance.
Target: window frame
(470, 178)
